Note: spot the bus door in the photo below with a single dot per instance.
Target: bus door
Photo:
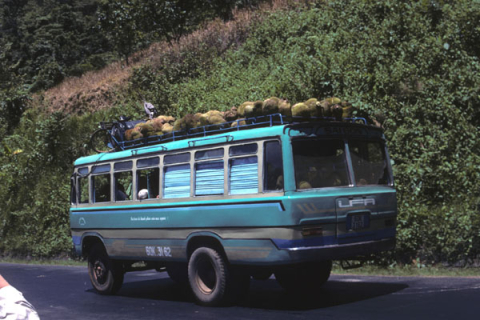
(358, 214)
(354, 218)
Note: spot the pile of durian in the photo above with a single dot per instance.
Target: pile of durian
(332, 108)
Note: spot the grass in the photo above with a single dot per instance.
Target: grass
(48, 262)
(410, 271)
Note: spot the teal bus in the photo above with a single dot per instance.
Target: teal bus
(215, 210)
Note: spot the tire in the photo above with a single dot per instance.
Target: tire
(304, 278)
(105, 276)
(208, 276)
(101, 141)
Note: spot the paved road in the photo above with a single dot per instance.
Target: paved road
(66, 293)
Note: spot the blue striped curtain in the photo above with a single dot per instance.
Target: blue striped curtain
(177, 182)
(244, 175)
(209, 178)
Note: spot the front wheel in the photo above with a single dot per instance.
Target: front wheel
(208, 276)
(307, 277)
(106, 278)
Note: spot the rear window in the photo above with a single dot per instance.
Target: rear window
(369, 162)
(320, 163)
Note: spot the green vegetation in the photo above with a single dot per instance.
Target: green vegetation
(47, 262)
(413, 65)
(409, 271)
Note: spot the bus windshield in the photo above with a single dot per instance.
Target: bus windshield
(322, 163)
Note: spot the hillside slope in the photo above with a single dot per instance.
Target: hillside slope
(420, 73)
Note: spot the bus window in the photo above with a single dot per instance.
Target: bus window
(123, 186)
(101, 168)
(148, 183)
(369, 162)
(209, 178)
(126, 165)
(209, 154)
(83, 190)
(243, 149)
(177, 181)
(273, 171)
(320, 163)
(176, 158)
(244, 175)
(83, 185)
(149, 162)
(101, 188)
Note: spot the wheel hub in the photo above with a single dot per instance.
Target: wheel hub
(99, 272)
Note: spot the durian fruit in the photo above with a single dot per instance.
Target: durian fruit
(145, 128)
(215, 118)
(167, 128)
(156, 123)
(203, 119)
(271, 106)
(242, 107)
(231, 115)
(246, 110)
(325, 106)
(333, 100)
(285, 108)
(300, 110)
(189, 121)
(136, 133)
(314, 107)
(128, 134)
(150, 134)
(337, 112)
(257, 108)
(166, 119)
(239, 122)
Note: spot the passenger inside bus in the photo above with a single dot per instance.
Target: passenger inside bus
(120, 194)
(148, 179)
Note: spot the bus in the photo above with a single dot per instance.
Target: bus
(216, 210)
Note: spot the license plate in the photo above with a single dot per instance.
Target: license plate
(358, 221)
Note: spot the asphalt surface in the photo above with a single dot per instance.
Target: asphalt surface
(66, 293)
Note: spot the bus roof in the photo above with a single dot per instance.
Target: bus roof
(184, 144)
(233, 136)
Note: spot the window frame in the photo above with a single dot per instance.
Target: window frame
(137, 170)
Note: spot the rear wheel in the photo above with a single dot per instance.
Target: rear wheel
(208, 276)
(306, 277)
(101, 141)
(105, 275)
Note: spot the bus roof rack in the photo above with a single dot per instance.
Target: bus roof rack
(236, 125)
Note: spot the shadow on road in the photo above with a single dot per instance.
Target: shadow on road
(268, 294)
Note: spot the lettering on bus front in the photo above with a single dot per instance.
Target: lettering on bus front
(355, 202)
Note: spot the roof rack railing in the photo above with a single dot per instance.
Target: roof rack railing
(236, 125)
